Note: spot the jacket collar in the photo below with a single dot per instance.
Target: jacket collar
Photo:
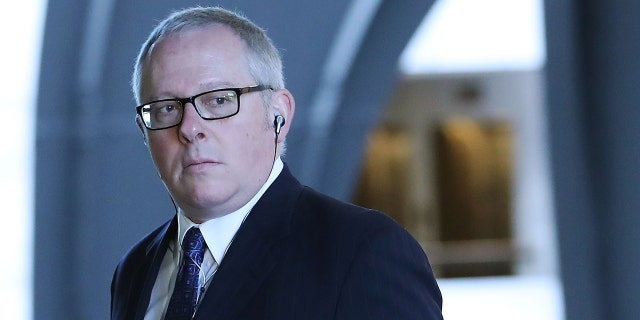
(156, 250)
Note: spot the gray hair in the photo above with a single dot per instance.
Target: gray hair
(263, 59)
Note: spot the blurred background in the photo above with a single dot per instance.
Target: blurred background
(503, 134)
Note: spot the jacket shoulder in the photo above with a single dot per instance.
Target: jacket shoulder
(328, 210)
(132, 270)
(141, 248)
(373, 258)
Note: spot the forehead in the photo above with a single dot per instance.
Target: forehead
(195, 59)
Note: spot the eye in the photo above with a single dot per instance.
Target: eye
(217, 104)
(218, 100)
(167, 107)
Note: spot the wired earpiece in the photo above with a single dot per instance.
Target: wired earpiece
(278, 123)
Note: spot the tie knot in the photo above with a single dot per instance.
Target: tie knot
(193, 244)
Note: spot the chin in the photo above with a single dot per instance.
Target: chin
(203, 196)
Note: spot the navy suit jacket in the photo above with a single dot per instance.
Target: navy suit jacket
(299, 255)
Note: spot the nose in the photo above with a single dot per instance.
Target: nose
(191, 129)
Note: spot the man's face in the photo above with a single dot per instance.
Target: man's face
(211, 167)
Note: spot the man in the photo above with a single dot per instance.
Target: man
(248, 241)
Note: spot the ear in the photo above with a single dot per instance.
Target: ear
(143, 130)
(283, 104)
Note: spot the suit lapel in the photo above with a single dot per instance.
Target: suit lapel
(154, 255)
(253, 253)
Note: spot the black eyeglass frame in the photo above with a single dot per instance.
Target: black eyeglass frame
(192, 100)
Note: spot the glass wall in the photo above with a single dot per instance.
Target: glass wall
(21, 30)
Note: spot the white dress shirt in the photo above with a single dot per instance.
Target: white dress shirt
(218, 234)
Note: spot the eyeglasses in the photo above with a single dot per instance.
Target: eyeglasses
(210, 105)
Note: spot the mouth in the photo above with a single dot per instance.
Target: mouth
(196, 164)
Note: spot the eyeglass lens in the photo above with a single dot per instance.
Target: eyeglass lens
(209, 105)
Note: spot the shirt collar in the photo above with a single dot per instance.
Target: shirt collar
(219, 232)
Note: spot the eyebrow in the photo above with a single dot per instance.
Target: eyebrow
(202, 87)
(215, 85)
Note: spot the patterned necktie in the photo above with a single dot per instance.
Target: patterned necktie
(185, 293)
